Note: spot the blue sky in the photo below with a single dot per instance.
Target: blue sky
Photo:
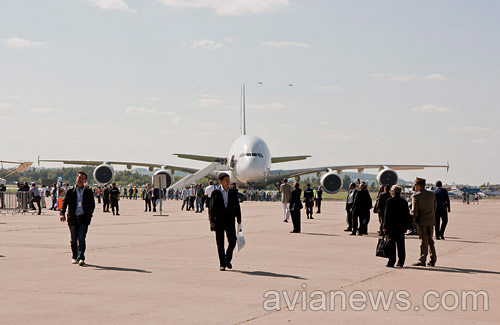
(403, 82)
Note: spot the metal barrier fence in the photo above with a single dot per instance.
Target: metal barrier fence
(14, 202)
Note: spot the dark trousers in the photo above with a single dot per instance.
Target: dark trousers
(441, 214)
(148, 205)
(191, 203)
(349, 215)
(362, 221)
(295, 213)
(396, 240)
(230, 230)
(36, 200)
(114, 204)
(318, 205)
(105, 206)
(78, 234)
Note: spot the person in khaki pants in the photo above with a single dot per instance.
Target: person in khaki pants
(424, 211)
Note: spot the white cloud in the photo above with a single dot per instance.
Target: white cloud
(231, 7)
(153, 99)
(468, 129)
(267, 107)
(10, 97)
(228, 39)
(323, 123)
(207, 44)
(207, 102)
(5, 119)
(133, 110)
(179, 119)
(5, 105)
(407, 77)
(434, 76)
(167, 113)
(285, 44)
(333, 88)
(20, 43)
(112, 5)
(429, 108)
(42, 110)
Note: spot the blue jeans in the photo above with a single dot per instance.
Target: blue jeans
(78, 235)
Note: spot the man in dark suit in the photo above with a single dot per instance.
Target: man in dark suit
(318, 198)
(396, 220)
(79, 201)
(379, 208)
(351, 195)
(224, 208)
(295, 207)
(105, 199)
(361, 210)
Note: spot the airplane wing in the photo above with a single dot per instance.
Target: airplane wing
(201, 158)
(22, 166)
(279, 174)
(288, 158)
(123, 163)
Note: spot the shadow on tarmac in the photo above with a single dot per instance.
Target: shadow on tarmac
(115, 268)
(270, 274)
(317, 234)
(452, 270)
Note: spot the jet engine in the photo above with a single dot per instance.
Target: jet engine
(104, 174)
(169, 175)
(331, 182)
(387, 176)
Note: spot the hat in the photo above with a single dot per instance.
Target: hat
(221, 176)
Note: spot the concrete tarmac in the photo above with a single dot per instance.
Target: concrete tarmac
(143, 268)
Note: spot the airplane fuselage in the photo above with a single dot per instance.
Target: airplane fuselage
(249, 161)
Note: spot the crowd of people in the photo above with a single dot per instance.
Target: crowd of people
(426, 214)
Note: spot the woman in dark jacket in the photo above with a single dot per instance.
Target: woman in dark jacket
(295, 207)
(397, 220)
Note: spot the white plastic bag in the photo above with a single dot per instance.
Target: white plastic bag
(240, 239)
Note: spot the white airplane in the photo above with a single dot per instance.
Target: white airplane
(248, 164)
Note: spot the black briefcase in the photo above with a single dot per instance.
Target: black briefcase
(382, 247)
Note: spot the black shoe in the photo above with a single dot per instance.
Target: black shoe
(222, 268)
(117, 214)
(431, 264)
(438, 238)
(418, 264)
(389, 265)
(399, 265)
(352, 234)
(311, 217)
(285, 220)
(348, 229)
(229, 265)
(442, 237)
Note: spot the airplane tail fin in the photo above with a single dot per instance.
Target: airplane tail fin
(242, 112)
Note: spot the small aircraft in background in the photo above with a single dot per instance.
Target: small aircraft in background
(491, 192)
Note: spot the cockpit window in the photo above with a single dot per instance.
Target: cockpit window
(252, 154)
